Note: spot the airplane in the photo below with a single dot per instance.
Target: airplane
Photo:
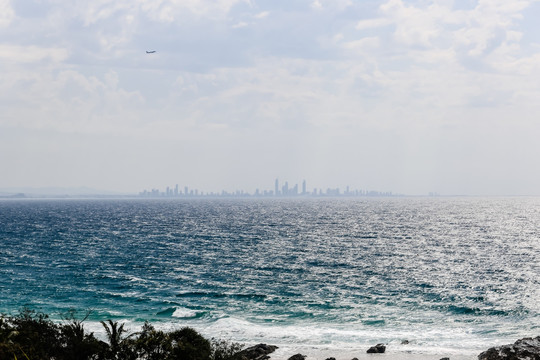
(150, 52)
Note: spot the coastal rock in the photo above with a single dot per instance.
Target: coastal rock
(404, 342)
(377, 349)
(523, 349)
(297, 357)
(331, 358)
(257, 352)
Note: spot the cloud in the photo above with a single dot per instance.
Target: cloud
(373, 23)
(159, 10)
(316, 5)
(345, 83)
(363, 44)
(240, 25)
(6, 13)
(67, 101)
(31, 54)
(262, 15)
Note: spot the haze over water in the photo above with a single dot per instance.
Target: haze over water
(451, 275)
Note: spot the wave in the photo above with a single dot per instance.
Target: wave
(466, 310)
(181, 313)
(217, 295)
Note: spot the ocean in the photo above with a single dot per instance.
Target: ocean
(451, 276)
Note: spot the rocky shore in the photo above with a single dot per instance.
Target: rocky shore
(523, 349)
(31, 335)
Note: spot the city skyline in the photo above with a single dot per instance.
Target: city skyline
(279, 190)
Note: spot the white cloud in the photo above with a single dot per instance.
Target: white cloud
(158, 10)
(415, 26)
(316, 5)
(332, 4)
(241, 24)
(68, 101)
(6, 13)
(363, 45)
(373, 23)
(262, 15)
(315, 80)
(170, 10)
(31, 54)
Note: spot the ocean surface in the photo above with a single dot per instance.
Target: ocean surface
(453, 276)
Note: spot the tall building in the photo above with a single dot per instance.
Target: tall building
(304, 187)
(276, 185)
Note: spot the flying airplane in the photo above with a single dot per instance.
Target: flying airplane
(150, 52)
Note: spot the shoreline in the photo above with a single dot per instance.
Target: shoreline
(416, 349)
(31, 331)
(317, 354)
(285, 351)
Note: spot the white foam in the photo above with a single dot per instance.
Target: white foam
(326, 340)
(342, 341)
(184, 313)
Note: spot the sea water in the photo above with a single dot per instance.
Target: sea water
(451, 276)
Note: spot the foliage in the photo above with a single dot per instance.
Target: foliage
(225, 350)
(31, 335)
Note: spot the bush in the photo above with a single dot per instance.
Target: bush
(31, 335)
(188, 344)
(79, 345)
(224, 350)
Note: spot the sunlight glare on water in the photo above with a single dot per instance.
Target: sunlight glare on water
(458, 274)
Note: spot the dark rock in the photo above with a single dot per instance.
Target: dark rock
(331, 358)
(297, 357)
(404, 342)
(377, 349)
(257, 352)
(523, 349)
(445, 359)
(354, 358)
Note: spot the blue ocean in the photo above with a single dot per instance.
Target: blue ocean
(324, 276)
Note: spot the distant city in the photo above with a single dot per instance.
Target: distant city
(279, 190)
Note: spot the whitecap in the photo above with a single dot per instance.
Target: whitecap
(184, 313)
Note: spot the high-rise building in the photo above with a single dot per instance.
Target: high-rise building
(304, 187)
(276, 185)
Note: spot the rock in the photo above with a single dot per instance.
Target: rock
(331, 358)
(354, 358)
(377, 349)
(404, 342)
(297, 357)
(523, 349)
(444, 358)
(257, 352)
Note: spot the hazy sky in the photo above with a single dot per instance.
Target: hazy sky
(389, 95)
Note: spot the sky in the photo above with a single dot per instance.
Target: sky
(405, 96)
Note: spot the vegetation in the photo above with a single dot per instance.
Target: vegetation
(33, 336)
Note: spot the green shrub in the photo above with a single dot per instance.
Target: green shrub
(151, 344)
(224, 350)
(32, 336)
(188, 344)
